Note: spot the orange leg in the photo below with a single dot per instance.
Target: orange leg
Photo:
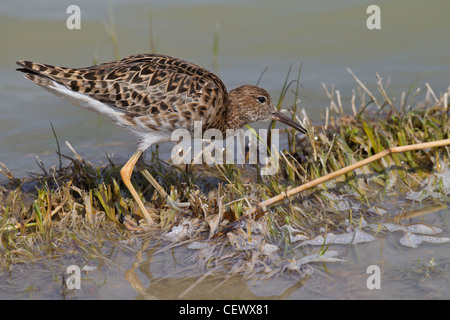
(126, 172)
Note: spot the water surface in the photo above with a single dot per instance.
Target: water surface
(323, 37)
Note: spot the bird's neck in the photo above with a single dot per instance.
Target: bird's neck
(233, 120)
(236, 116)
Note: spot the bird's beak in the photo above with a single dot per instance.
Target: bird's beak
(277, 115)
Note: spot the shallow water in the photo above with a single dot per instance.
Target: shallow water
(138, 270)
(324, 37)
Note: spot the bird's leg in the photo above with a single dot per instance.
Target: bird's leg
(125, 173)
(172, 203)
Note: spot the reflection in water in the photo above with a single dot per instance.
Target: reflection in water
(418, 213)
(210, 285)
(167, 271)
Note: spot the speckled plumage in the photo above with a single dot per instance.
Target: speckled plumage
(152, 95)
(163, 92)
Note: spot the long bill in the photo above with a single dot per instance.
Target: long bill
(277, 115)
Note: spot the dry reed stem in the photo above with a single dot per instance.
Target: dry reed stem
(364, 88)
(335, 174)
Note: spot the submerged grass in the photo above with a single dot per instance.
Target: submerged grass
(51, 212)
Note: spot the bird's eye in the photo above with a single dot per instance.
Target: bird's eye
(261, 99)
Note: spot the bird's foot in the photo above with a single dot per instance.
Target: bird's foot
(174, 204)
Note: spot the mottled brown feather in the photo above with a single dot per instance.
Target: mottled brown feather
(146, 85)
(161, 92)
